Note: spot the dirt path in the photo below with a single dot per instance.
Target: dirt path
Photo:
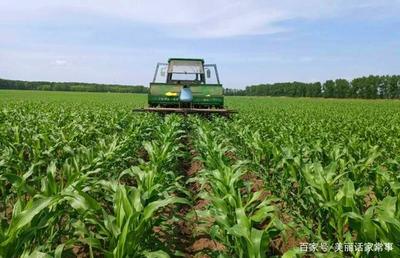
(194, 242)
(188, 237)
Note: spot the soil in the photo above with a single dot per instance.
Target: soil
(142, 154)
(295, 187)
(231, 156)
(159, 231)
(206, 243)
(185, 235)
(186, 228)
(281, 245)
(285, 218)
(369, 199)
(26, 154)
(7, 210)
(80, 251)
(201, 204)
(194, 167)
(257, 183)
(128, 180)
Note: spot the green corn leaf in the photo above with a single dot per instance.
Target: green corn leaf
(262, 213)
(120, 250)
(239, 231)
(258, 243)
(150, 209)
(59, 250)
(26, 216)
(136, 200)
(82, 201)
(36, 254)
(293, 253)
(156, 254)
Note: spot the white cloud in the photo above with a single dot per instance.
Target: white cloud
(306, 59)
(60, 62)
(201, 18)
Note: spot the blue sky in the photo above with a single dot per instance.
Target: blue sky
(253, 41)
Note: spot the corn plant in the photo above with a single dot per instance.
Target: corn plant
(81, 175)
(237, 214)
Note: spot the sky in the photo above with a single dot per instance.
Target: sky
(251, 41)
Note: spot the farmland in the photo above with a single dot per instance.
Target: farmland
(83, 176)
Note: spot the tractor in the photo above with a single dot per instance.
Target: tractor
(186, 85)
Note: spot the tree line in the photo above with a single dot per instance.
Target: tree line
(69, 86)
(368, 87)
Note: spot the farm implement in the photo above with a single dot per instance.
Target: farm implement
(186, 86)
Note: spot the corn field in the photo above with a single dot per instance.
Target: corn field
(83, 176)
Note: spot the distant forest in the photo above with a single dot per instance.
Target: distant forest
(371, 87)
(69, 86)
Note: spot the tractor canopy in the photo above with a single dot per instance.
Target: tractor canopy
(185, 70)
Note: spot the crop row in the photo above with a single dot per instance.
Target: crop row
(334, 170)
(84, 183)
(243, 216)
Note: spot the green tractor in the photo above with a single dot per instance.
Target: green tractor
(186, 85)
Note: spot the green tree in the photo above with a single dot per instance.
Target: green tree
(329, 89)
(342, 88)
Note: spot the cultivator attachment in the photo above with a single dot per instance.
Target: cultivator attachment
(186, 111)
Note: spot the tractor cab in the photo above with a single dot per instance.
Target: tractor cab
(186, 71)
